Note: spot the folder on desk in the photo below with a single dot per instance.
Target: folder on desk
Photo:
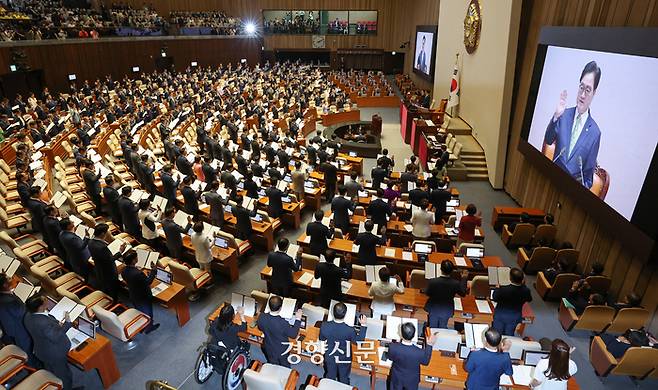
(483, 306)
(25, 290)
(372, 273)
(58, 199)
(345, 286)
(393, 325)
(115, 246)
(306, 278)
(181, 218)
(248, 303)
(407, 256)
(282, 185)
(350, 315)
(460, 261)
(458, 304)
(432, 270)
(474, 334)
(248, 203)
(389, 252)
(8, 265)
(67, 305)
(498, 276)
(146, 259)
(287, 309)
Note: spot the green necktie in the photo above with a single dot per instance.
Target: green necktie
(574, 134)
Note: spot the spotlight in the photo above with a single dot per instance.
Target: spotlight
(194, 64)
(393, 53)
(250, 28)
(13, 68)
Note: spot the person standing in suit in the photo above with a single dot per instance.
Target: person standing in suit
(37, 209)
(276, 332)
(367, 242)
(341, 206)
(92, 185)
(51, 232)
(77, 250)
(379, 210)
(148, 220)
(438, 198)
(511, 298)
(183, 165)
(468, 224)
(421, 221)
(353, 187)
(169, 185)
(573, 132)
(274, 195)
(129, 213)
(104, 262)
(330, 178)
(338, 338)
(441, 292)
(319, 234)
(407, 359)
(331, 276)
(190, 197)
(382, 292)
(419, 195)
(139, 288)
(282, 268)
(486, 365)
(51, 345)
(378, 175)
(216, 203)
(173, 233)
(148, 179)
(243, 228)
(111, 196)
(12, 312)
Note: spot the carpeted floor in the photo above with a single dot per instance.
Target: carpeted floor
(170, 352)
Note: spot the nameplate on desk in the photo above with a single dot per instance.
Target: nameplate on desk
(432, 379)
(467, 315)
(364, 366)
(526, 320)
(254, 338)
(407, 308)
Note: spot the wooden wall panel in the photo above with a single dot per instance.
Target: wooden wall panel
(96, 59)
(532, 188)
(397, 20)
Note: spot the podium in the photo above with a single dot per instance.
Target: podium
(419, 126)
(409, 112)
(376, 126)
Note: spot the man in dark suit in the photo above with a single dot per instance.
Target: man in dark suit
(486, 365)
(318, 234)
(184, 166)
(51, 230)
(148, 179)
(379, 210)
(135, 158)
(407, 358)
(330, 276)
(129, 212)
(92, 185)
(282, 268)
(51, 345)
(250, 186)
(190, 197)
(209, 173)
(438, 198)
(511, 298)
(169, 185)
(378, 175)
(277, 331)
(216, 203)
(104, 262)
(367, 242)
(112, 196)
(385, 161)
(243, 228)
(12, 312)
(574, 133)
(23, 187)
(418, 195)
(338, 337)
(139, 288)
(441, 292)
(37, 209)
(330, 178)
(173, 233)
(341, 206)
(77, 251)
(275, 204)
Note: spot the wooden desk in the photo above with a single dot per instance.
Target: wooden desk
(418, 127)
(97, 354)
(175, 298)
(292, 212)
(224, 260)
(313, 198)
(377, 101)
(502, 215)
(340, 117)
(263, 231)
(427, 147)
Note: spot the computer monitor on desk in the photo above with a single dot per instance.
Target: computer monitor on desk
(221, 242)
(87, 327)
(163, 276)
(422, 250)
(531, 358)
(475, 253)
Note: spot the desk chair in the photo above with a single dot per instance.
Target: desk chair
(416, 279)
(314, 314)
(595, 318)
(571, 256)
(29, 244)
(40, 380)
(49, 264)
(11, 208)
(125, 326)
(13, 222)
(599, 284)
(480, 286)
(309, 261)
(358, 272)
(267, 376)
(540, 259)
(456, 153)
(461, 251)
(194, 279)
(241, 246)
(276, 222)
(637, 362)
(545, 233)
(445, 245)
(559, 289)
(261, 298)
(12, 361)
(628, 318)
(326, 384)
(522, 235)
(92, 299)
(359, 210)
(69, 281)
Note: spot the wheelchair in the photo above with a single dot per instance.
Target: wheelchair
(229, 364)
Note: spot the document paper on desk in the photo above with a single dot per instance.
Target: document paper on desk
(316, 283)
(372, 273)
(460, 261)
(483, 306)
(407, 256)
(160, 287)
(505, 380)
(306, 278)
(458, 303)
(75, 337)
(522, 374)
(350, 315)
(389, 252)
(432, 270)
(67, 305)
(393, 325)
(8, 265)
(345, 286)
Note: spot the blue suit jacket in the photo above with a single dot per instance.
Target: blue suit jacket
(277, 331)
(485, 368)
(405, 371)
(12, 312)
(337, 335)
(585, 151)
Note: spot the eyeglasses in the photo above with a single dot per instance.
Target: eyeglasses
(586, 89)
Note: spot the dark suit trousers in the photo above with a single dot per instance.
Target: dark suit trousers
(61, 369)
(146, 308)
(283, 291)
(276, 358)
(438, 316)
(337, 371)
(331, 191)
(506, 322)
(401, 384)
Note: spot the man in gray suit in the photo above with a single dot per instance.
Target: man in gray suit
(51, 345)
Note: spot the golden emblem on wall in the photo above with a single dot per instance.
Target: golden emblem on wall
(472, 26)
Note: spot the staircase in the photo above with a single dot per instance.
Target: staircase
(476, 164)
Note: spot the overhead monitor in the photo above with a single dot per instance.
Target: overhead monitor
(424, 50)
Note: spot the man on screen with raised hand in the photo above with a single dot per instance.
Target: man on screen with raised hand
(573, 131)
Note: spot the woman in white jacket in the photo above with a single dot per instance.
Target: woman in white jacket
(202, 242)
